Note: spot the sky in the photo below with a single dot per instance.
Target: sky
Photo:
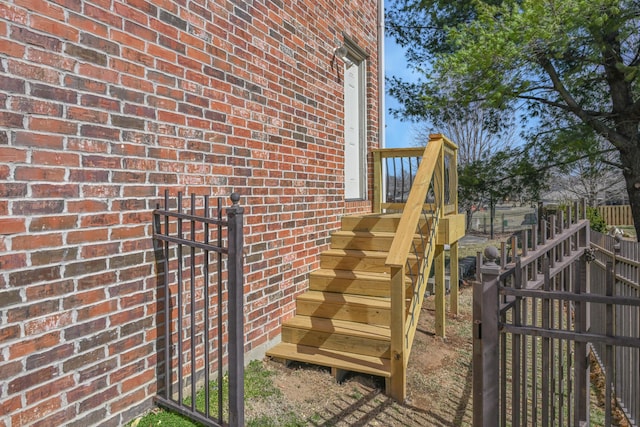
(397, 133)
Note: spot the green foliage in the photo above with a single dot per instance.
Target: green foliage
(596, 221)
(572, 66)
(510, 54)
(505, 174)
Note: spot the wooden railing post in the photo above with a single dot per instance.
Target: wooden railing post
(439, 261)
(399, 354)
(439, 181)
(454, 279)
(485, 344)
(378, 186)
(439, 279)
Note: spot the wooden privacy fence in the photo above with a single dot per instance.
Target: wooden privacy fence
(535, 314)
(616, 215)
(200, 295)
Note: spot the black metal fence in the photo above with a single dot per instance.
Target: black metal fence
(200, 276)
(616, 271)
(535, 313)
(505, 219)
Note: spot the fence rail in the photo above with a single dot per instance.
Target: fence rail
(504, 221)
(199, 263)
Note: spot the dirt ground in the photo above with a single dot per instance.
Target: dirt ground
(438, 384)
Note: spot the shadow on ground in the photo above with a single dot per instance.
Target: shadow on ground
(438, 384)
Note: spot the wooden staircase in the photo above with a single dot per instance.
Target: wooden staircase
(343, 321)
(362, 308)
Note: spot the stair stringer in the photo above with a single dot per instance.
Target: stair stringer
(414, 306)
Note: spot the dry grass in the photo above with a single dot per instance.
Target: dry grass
(438, 381)
(438, 384)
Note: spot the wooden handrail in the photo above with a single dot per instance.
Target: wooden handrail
(413, 207)
(447, 142)
(401, 332)
(436, 168)
(399, 152)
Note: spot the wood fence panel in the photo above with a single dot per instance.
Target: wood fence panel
(616, 215)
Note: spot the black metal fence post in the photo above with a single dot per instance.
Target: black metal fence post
(236, 313)
(609, 355)
(188, 330)
(485, 344)
(581, 356)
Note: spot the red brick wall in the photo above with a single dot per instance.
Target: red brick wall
(103, 105)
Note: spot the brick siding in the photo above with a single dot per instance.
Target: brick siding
(103, 105)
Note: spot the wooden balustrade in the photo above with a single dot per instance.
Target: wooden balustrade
(422, 184)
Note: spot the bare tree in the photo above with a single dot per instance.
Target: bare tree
(474, 139)
(595, 179)
(477, 141)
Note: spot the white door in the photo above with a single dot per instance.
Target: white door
(354, 164)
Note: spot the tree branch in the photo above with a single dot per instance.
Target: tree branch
(617, 139)
(563, 163)
(561, 106)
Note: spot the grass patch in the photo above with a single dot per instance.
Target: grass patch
(258, 386)
(466, 249)
(162, 417)
(628, 230)
(287, 420)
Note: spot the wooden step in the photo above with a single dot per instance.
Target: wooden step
(349, 259)
(373, 223)
(355, 308)
(334, 334)
(332, 358)
(362, 240)
(365, 241)
(351, 282)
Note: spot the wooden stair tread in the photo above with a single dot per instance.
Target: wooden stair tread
(342, 327)
(363, 233)
(367, 234)
(356, 253)
(355, 274)
(348, 274)
(337, 298)
(371, 222)
(351, 282)
(332, 358)
(396, 215)
(360, 253)
(367, 240)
